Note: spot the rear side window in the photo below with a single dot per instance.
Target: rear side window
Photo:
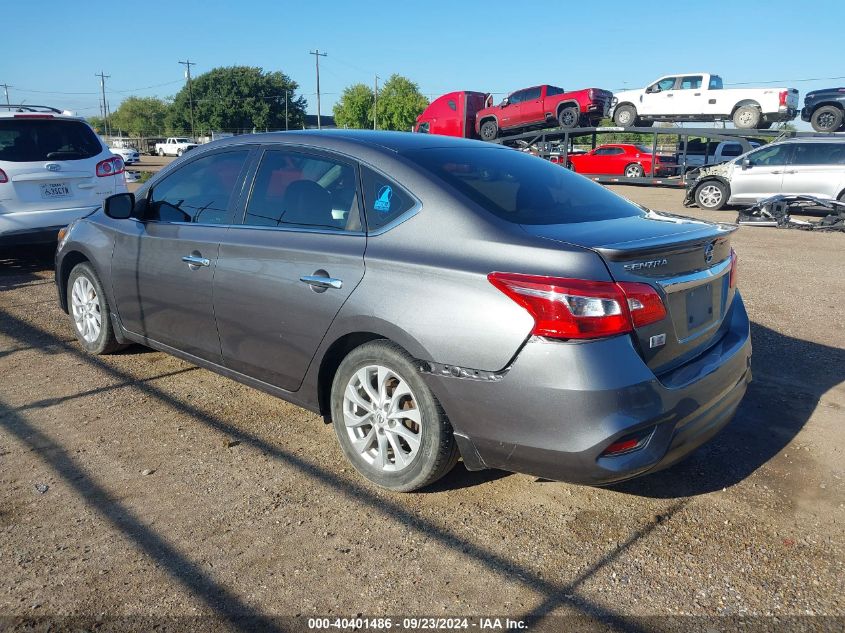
(384, 200)
(201, 191)
(29, 140)
(731, 149)
(691, 83)
(521, 188)
(551, 91)
(294, 190)
(819, 154)
(715, 82)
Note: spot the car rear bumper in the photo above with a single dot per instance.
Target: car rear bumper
(561, 404)
(30, 227)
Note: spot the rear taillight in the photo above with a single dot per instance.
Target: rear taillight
(734, 265)
(591, 93)
(3, 176)
(628, 443)
(581, 309)
(33, 116)
(782, 98)
(110, 167)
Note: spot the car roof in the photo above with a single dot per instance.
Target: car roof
(814, 139)
(4, 114)
(395, 142)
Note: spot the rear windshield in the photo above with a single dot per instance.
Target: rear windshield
(521, 188)
(29, 140)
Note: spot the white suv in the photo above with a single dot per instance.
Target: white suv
(53, 169)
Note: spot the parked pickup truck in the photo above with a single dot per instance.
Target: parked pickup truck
(825, 109)
(175, 146)
(700, 153)
(541, 106)
(702, 97)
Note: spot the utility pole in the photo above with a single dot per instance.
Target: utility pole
(375, 105)
(317, 55)
(286, 109)
(187, 64)
(105, 108)
(6, 90)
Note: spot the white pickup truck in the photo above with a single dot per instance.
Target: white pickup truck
(702, 97)
(175, 146)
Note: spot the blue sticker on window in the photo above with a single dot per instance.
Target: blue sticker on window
(382, 203)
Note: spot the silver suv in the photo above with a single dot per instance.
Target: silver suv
(53, 169)
(799, 166)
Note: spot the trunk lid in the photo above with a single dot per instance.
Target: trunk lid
(688, 261)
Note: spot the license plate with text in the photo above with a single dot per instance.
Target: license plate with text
(55, 190)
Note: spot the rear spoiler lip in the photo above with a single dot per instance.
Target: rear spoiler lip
(671, 246)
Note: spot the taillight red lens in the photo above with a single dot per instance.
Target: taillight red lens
(734, 267)
(33, 116)
(578, 308)
(782, 97)
(3, 176)
(110, 167)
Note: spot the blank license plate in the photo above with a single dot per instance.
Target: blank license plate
(55, 190)
(699, 306)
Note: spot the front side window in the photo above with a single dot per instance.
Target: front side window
(609, 151)
(424, 127)
(521, 188)
(303, 191)
(691, 83)
(203, 191)
(25, 140)
(516, 97)
(772, 155)
(665, 84)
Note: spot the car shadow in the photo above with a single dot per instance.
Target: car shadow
(20, 265)
(790, 377)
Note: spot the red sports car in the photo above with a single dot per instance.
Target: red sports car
(631, 161)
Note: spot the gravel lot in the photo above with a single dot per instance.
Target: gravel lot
(139, 485)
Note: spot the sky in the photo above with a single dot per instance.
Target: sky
(489, 46)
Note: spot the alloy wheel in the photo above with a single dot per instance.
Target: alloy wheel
(710, 196)
(85, 305)
(382, 418)
(826, 120)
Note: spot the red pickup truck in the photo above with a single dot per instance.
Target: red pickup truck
(542, 106)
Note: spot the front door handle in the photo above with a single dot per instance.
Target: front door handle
(195, 261)
(318, 281)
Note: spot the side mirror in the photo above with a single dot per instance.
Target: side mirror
(504, 102)
(652, 89)
(746, 163)
(119, 206)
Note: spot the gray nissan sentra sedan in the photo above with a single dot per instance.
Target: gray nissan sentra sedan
(434, 298)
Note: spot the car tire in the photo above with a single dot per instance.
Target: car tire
(569, 117)
(365, 419)
(489, 131)
(89, 311)
(827, 119)
(179, 153)
(764, 125)
(711, 195)
(161, 153)
(841, 197)
(625, 116)
(747, 117)
(634, 170)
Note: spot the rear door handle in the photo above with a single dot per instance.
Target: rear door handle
(195, 261)
(318, 281)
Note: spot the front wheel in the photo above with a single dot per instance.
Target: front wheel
(569, 117)
(179, 152)
(89, 311)
(489, 130)
(711, 195)
(827, 119)
(389, 424)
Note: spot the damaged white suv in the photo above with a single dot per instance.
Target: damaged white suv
(53, 169)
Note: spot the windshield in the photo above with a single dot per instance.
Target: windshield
(183, 140)
(521, 188)
(28, 140)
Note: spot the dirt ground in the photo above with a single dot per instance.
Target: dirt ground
(138, 485)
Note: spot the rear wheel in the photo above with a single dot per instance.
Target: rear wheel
(634, 170)
(569, 117)
(625, 116)
(89, 311)
(747, 117)
(827, 119)
(711, 195)
(489, 130)
(389, 424)
(161, 152)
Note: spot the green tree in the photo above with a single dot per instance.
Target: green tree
(139, 116)
(237, 99)
(400, 102)
(354, 109)
(98, 124)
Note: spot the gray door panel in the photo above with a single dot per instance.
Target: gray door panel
(270, 322)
